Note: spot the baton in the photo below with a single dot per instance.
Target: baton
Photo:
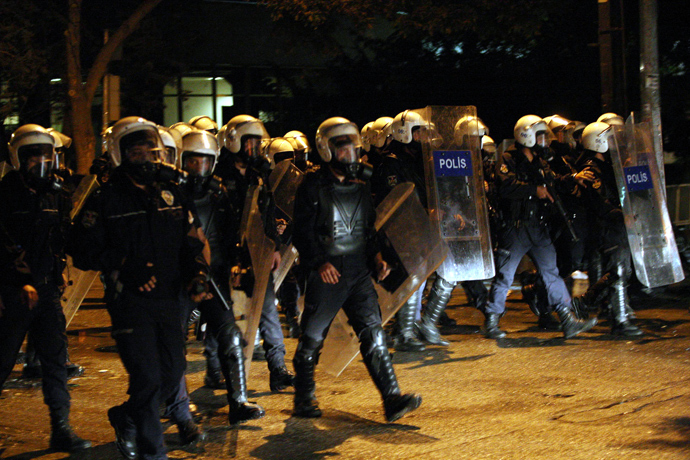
(220, 295)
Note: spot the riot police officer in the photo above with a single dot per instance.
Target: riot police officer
(524, 200)
(243, 136)
(139, 230)
(34, 220)
(219, 221)
(401, 162)
(337, 245)
(609, 243)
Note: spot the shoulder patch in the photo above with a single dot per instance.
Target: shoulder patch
(392, 180)
(168, 197)
(596, 185)
(504, 168)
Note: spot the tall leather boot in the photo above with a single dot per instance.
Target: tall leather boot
(380, 367)
(62, 438)
(406, 338)
(305, 360)
(232, 364)
(490, 328)
(571, 325)
(436, 303)
(621, 324)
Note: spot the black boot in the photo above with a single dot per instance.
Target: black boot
(490, 328)
(62, 438)
(214, 377)
(190, 433)
(125, 432)
(620, 318)
(280, 379)
(438, 299)
(306, 358)
(571, 325)
(405, 338)
(380, 367)
(232, 363)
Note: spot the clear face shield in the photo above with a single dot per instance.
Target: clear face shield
(543, 139)
(37, 160)
(251, 146)
(197, 165)
(344, 150)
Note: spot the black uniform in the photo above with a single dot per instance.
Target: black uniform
(401, 165)
(607, 245)
(269, 325)
(33, 228)
(130, 235)
(336, 222)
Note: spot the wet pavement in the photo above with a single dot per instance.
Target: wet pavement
(532, 395)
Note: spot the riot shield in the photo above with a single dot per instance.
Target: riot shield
(284, 181)
(78, 282)
(455, 190)
(650, 234)
(260, 249)
(85, 188)
(413, 249)
(5, 167)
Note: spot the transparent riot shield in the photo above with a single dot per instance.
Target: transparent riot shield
(413, 249)
(78, 282)
(455, 190)
(85, 188)
(260, 251)
(284, 181)
(5, 167)
(652, 243)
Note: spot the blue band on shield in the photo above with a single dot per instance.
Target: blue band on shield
(638, 178)
(450, 163)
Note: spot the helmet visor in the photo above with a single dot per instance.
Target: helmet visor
(141, 147)
(343, 148)
(197, 164)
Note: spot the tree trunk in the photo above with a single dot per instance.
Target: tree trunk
(81, 93)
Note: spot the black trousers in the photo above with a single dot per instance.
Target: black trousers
(354, 293)
(151, 345)
(46, 323)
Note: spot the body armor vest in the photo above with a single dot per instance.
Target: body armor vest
(342, 221)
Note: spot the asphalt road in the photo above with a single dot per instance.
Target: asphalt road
(532, 395)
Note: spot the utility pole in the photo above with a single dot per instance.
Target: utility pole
(612, 56)
(649, 79)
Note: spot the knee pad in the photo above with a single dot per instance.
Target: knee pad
(372, 338)
(230, 334)
(307, 349)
